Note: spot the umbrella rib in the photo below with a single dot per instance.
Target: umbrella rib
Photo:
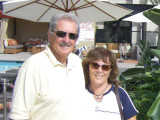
(66, 6)
(47, 9)
(100, 9)
(116, 5)
(89, 4)
(65, 9)
(51, 6)
(80, 7)
(55, 6)
(21, 6)
(74, 7)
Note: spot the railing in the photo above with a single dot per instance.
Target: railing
(4, 82)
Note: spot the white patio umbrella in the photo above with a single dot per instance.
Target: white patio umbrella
(139, 17)
(86, 10)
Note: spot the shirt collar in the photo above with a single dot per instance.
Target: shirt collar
(55, 62)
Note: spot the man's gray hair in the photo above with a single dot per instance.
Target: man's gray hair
(62, 16)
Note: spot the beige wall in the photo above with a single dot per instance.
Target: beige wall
(26, 29)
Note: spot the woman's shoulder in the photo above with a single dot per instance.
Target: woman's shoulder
(124, 96)
(122, 92)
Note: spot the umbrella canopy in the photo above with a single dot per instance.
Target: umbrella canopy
(139, 17)
(153, 14)
(86, 10)
(4, 16)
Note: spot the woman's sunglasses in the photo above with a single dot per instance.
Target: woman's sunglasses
(104, 67)
(62, 34)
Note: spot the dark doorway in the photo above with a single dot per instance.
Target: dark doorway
(114, 32)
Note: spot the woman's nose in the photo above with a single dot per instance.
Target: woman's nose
(100, 69)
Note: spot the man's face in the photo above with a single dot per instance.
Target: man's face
(62, 46)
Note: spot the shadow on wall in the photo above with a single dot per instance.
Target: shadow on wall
(135, 50)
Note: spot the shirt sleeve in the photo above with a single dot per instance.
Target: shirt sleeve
(24, 95)
(129, 109)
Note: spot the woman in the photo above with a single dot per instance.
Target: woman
(101, 71)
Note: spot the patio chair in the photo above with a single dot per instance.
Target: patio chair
(12, 46)
(35, 45)
(114, 47)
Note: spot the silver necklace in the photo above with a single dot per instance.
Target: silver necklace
(98, 95)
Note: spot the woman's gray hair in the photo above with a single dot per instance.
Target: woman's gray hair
(62, 16)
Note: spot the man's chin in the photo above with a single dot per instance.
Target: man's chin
(65, 51)
(65, 47)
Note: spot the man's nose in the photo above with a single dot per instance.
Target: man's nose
(66, 38)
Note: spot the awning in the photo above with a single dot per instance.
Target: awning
(4, 16)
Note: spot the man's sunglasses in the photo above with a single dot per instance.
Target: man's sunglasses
(62, 34)
(104, 67)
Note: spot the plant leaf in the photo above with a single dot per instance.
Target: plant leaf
(154, 111)
(153, 15)
(133, 71)
(155, 52)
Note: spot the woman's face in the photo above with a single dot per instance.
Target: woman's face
(99, 72)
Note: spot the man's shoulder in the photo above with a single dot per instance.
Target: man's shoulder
(74, 57)
(74, 60)
(35, 59)
(37, 56)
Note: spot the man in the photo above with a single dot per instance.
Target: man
(50, 84)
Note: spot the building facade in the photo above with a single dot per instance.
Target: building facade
(107, 32)
(128, 31)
